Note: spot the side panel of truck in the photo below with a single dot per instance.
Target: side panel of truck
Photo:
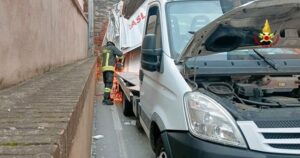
(132, 61)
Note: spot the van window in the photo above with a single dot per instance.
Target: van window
(153, 25)
(185, 17)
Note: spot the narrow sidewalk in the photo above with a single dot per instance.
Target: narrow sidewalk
(40, 117)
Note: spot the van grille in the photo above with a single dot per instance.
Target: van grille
(286, 146)
(272, 136)
(278, 124)
(281, 135)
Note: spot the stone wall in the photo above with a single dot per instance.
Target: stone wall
(37, 36)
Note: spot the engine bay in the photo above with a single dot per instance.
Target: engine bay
(255, 91)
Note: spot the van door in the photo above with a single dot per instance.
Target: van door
(162, 85)
(150, 80)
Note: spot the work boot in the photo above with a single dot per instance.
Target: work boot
(107, 102)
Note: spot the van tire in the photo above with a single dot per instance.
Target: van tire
(160, 151)
(127, 106)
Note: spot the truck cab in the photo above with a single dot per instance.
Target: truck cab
(220, 78)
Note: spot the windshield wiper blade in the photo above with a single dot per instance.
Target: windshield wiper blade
(265, 59)
(192, 32)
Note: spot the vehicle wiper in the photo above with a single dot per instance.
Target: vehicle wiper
(267, 60)
(192, 32)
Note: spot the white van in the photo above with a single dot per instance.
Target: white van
(215, 85)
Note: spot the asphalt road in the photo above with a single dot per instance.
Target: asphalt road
(115, 136)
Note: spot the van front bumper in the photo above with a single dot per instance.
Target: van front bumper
(184, 145)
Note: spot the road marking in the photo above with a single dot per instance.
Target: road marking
(116, 118)
(118, 128)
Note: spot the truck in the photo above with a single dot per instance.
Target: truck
(215, 78)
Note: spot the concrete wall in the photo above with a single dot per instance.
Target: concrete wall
(37, 36)
(81, 144)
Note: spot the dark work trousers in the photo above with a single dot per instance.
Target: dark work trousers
(108, 77)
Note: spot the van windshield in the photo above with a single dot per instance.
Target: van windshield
(186, 17)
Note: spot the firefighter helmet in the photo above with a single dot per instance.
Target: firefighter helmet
(110, 43)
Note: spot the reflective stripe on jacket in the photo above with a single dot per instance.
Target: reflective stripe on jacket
(109, 54)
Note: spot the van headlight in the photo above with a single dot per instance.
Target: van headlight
(208, 120)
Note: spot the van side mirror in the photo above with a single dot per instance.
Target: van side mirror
(151, 56)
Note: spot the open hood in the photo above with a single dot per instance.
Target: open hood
(263, 23)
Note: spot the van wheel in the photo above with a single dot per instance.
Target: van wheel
(160, 149)
(127, 106)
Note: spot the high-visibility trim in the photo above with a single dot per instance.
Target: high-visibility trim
(107, 90)
(108, 68)
(107, 53)
(107, 58)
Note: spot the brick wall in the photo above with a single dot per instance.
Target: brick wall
(101, 12)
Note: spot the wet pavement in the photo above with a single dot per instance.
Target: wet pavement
(116, 136)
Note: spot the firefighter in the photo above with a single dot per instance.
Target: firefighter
(109, 54)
